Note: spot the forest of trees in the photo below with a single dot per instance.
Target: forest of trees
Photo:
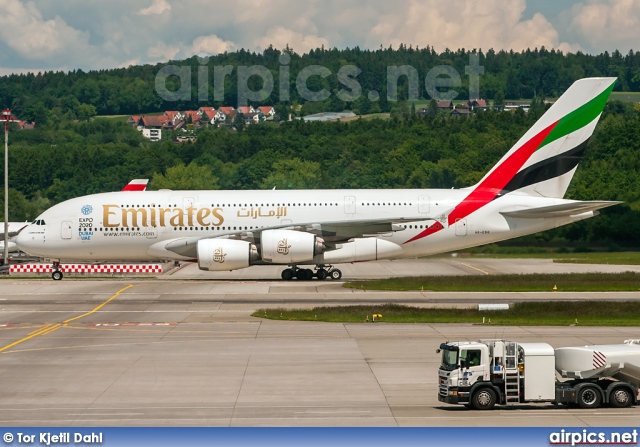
(50, 98)
(63, 158)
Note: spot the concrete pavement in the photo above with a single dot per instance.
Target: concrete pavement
(187, 352)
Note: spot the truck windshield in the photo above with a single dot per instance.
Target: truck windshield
(449, 358)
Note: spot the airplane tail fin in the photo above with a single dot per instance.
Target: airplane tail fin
(136, 185)
(544, 160)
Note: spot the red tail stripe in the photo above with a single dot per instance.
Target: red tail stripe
(498, 179)
(135, 187)
(491, 186)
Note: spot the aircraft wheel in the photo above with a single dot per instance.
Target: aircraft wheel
(322, 274)
(336, 274)
(56, 275)
(308, 274)
(287, 274)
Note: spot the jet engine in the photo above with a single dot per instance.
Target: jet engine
(225, 254)
(289, 246)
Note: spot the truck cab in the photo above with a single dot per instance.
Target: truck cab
(464, 366)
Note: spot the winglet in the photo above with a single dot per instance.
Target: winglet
(137, 185)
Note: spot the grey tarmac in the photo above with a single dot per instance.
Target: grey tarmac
(184, 351)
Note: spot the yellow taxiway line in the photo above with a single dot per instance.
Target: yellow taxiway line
(51, 328)
(471, 267)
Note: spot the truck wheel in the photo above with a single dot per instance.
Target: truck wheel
(589, 397)
(484, 399)
(620, 398)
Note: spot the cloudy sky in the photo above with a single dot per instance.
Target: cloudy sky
(91, 34)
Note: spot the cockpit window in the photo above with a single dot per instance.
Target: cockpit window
(39, 222)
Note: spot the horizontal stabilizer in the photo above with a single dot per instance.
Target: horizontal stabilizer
(562, 210)
(14, 228)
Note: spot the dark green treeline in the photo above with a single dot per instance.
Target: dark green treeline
(52, 96)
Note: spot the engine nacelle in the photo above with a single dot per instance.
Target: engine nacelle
(367, 249)
(289, 246)
(225, 254)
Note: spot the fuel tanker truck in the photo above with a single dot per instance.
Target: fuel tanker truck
(488, 372)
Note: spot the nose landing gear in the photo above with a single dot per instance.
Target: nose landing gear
(322, 272)
(57, 274)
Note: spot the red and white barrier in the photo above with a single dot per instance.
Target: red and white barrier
(87, 268)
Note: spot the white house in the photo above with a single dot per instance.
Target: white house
(222, 112)
(152, 134)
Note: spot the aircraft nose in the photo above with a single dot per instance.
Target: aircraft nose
(24, 240)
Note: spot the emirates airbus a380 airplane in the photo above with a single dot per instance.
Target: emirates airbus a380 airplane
(228, 230)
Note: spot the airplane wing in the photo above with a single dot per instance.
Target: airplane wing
(562, 210)
(332, 232)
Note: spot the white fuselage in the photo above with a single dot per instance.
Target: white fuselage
(136, 226)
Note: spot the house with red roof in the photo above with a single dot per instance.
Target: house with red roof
(477, 104)
(26, 125)
(153, 122)
(267, 111)
(173, 116)
(192, 116)
(445, 104)
(223, 112)
(210, 111)
(460, 111)
(245, 110)
(253, 117)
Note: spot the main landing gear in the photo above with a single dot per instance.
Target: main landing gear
(322, 272)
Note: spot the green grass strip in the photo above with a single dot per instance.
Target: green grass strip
(566, 282)
(612, 258)
(539, 313)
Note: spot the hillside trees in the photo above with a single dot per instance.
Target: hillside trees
(531, 73)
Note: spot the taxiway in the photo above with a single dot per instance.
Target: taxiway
(184, 351)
